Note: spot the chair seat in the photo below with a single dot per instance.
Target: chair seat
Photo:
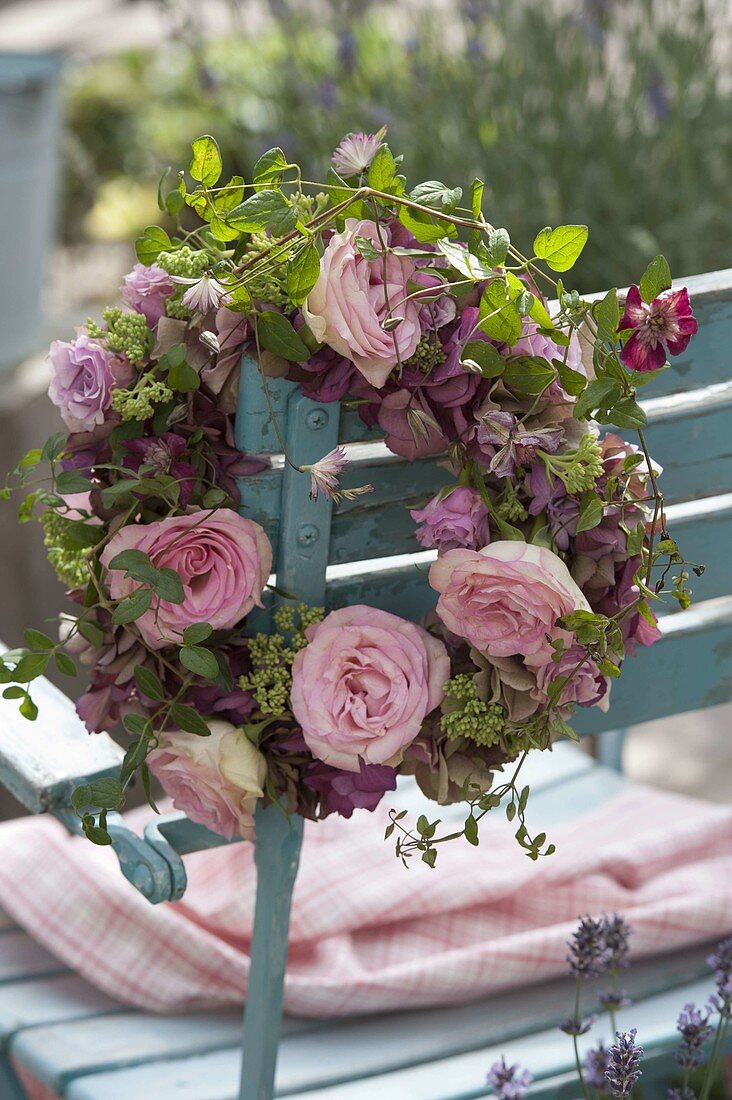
(79, 1044)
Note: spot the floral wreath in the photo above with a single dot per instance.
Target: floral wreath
(359, 290)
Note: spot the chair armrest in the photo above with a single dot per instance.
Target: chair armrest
(42, 762)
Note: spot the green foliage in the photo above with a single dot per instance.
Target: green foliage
(206, 163)
(583, 142)
(276, 334)
(561, 248)
(655, 279)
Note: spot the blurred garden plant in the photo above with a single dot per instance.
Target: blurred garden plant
(604, 113)
(599, 949)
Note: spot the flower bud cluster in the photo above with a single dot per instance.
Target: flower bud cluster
(125, 334)
(67, 558)
(428, 354)
(464, 714)
(138, 403)
(578, 469)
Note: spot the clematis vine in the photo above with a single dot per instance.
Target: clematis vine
(662, 326)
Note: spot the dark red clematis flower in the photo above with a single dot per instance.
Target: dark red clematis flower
(664, 326)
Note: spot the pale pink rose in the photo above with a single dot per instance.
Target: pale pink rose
(457, 519)
(506, 598)
(83, 377)
(146, 290)
(223, 560)
(215, 780)
(363, 685)
(585, 685)
(347, 306)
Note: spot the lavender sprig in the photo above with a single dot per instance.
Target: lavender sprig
(623, 1069)
(508, 1082)
(694, 1028)
(589, 954)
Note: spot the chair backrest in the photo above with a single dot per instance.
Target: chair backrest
(364, 551)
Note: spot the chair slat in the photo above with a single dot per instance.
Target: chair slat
(41, 770)
(689, 435)
(402, 1055)
(49, 1000)
(691, 663)
(22, 957)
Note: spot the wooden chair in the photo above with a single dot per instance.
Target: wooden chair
(78, 1043)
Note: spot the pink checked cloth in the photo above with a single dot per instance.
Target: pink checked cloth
(367, 934)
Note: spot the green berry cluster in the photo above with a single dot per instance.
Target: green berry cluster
(125, 334)
(174, 307)
(69, 562)
(138, 403)
(509, 507)
(272, 655)
(579, 469)
(427, 355)
(185, 262)
(466, 715)
(272, 283)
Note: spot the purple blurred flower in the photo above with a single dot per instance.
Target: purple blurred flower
(146, 290)
(588, 953)
(343, 792)
(623, 1069)
(508, 1082)
(594, 1065)
(694, 1028)
(457, 519)
(721, 964)
(617, 939)
(666, 325)
(574, 1026)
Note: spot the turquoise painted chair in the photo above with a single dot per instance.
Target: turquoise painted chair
(82, 1045)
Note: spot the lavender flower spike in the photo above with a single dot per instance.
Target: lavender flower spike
(721, 964)
(623, 1069)
(617, 935)
(508, 1082)
(693, 1026)
(589, 954)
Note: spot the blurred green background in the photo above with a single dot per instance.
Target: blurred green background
(615, 113)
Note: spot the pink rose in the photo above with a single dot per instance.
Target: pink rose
(347, 306)
(216, 780)
(146, 290)
(585, 685)
(363, 685)
(83, 376)
(506, 598)
(457, 520)
(223, 560)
